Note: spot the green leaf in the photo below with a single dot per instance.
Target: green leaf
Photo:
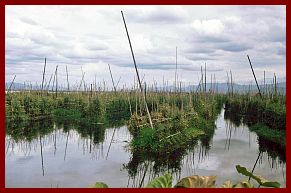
(271, 184)
(161, 182)
(243, 184)
(99, 185)
(197, 182)
(259, 179)
(244, 171)
(227, 184)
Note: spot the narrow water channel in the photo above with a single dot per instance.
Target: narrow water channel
(70, 158)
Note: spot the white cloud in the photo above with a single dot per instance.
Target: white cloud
(208, 27)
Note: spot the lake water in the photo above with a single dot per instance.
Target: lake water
(70, 157)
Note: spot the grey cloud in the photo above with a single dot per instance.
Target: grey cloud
(157, 16)
(233, 47)
(204, 38)
(198, 69)
(199, 49)
(197, 57)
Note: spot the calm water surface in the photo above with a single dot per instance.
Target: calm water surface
(66, 158)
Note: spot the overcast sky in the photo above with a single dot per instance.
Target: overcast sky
(90, 37)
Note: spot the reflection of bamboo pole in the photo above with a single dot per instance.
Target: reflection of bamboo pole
(284, 178)
(139, 81)
(110, 142)
(144, 174)
(66, 146)
(7, 147)
(255, 165)
(55, 141)
(41, 155)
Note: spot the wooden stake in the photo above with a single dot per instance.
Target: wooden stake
(140, 85)
(43, 74)
(67, 78)
(254, 76)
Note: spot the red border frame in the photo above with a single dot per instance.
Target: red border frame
(116, 2)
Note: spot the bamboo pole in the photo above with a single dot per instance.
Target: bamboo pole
(264, 83)
(205, 78)
(11, 84)
(67, 78)
(255, 76)
(140, 85)
(56, 82)
(43, 74)
(47, 87)
(176, 69)
(202, 79)
(275, 83)
(114, 87)
(231, 83)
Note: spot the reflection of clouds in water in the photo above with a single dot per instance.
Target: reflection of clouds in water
(22, 160)
(79, 163)
(210, 163)
(226, 129)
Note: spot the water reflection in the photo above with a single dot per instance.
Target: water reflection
(54, 154)
(275, 151)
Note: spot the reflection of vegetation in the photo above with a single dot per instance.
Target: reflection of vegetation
(29, 131)
(64, 119)
(271, 140)
(274, 150)
(233, 117)
(159, 162)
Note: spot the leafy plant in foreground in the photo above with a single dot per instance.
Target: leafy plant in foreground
(196, 181)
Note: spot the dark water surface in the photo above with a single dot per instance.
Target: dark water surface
(69, 157)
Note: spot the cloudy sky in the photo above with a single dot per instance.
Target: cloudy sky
(87, 38)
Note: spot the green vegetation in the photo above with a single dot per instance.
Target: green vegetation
(269, 111)
(265, 116)
(173, 128)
